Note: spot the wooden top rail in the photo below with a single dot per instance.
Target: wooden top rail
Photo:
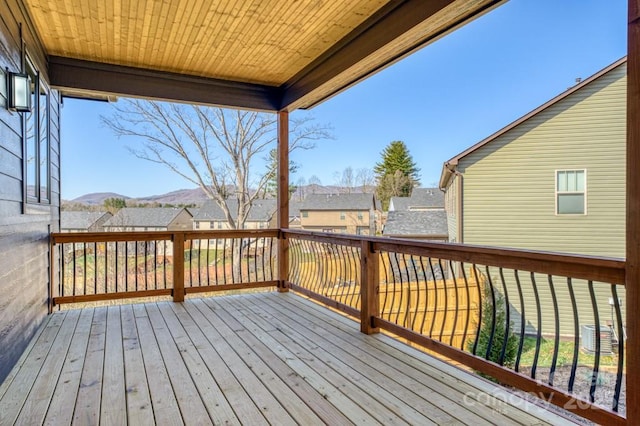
(101, 237)
(238, 233)
(594, 268)
(324, 237)
(107, 237)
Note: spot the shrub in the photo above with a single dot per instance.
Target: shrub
(501, 333)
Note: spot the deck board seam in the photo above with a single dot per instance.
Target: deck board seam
(209, 314)
(350, 375)
(191, 309)
(464, 377)
(391, 360)
(398, 385)
(35, 377)
(305, 379)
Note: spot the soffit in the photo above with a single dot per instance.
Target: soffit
(266, 43)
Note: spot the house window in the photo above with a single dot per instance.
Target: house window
(360, 216)
(212, 225)
(571, 191)
(197, 224)
(219, 225)
(305, 214)
(343, 215)
(37, 171)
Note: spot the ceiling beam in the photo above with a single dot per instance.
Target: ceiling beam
(78, 76)
(388, 24)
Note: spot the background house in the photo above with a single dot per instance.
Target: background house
(261, 216)
(82, 221)
(341, 213)
(554, 180)
(420, 199)
(420, 216)
(149, 219)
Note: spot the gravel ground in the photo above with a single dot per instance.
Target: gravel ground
(605, 388)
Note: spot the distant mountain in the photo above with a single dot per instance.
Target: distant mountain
(181, 196)
(97, 198)
(197, 196)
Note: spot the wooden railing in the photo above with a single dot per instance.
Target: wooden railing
(90, 267)
(521, 317)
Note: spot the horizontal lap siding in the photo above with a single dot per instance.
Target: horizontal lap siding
(509, 186)
(24, 249)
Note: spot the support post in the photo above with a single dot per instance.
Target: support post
(632, 277)
(369, 287)
(283, 200)
(178, 267)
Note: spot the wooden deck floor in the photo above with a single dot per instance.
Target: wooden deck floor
(253, 359)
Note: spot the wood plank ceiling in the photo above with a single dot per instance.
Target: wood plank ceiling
(271, 55)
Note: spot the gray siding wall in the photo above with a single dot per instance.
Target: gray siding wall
(509, 193)
(24, 234)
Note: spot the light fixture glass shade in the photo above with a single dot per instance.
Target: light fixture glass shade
(19, 92)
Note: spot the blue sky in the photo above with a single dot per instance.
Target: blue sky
(439, 101)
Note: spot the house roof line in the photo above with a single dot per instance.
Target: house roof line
(448, 168)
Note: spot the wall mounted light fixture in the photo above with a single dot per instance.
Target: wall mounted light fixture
(19, 92)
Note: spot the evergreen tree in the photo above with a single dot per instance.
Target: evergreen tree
(271, 187)
(396, 174)
(495, 331)
(112, 205)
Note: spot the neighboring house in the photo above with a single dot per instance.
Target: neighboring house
(420, 216)
(420, 199)
(554, 180)
(211, 217)
(341, 213)
(79, 221)
(420, 224)
(149, 219)
(294, 214)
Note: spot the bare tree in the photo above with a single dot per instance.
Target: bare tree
(314, 183)
(346, 180)
(212, 148)
(300, 188)
(365, 178)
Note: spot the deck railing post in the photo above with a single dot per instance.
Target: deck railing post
(633, 214)
(283, 200)
(178, 267)
(369, 287)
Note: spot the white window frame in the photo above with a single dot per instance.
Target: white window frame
(556, 192)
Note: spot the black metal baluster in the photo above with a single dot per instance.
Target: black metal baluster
(616, 305)
(468, 293)
(435, 297)
(217, 262)
(493, 314)
(207, 262)
(446, 300)
(386, 282)
(426, 293)
(539, 327)
(414, 310)
(455, 290)
(523, 323)
(255, 258)
(95, 268)
(84, 262)
(393, 300)
(596, 361)
(576, 335)
(507, 323)
(474, 350)
(556, 342)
